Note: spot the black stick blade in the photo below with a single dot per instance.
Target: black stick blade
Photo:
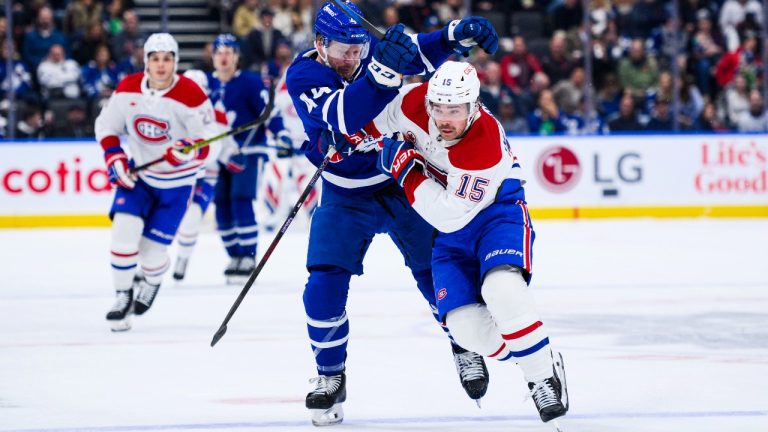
(219, 334)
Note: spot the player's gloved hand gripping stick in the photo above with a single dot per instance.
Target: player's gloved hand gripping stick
(242, 128)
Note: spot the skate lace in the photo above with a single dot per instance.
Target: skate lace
(121, 301)
(469, 366)
(325, 384)
(543, 394)
(147, 293)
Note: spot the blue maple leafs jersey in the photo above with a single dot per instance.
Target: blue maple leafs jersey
(325, 101)
(243, 98)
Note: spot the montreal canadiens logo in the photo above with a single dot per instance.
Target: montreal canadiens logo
(410, 137)
(558, 169)
(442, 293)
(151, 129)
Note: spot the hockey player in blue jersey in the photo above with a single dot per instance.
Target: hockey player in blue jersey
(338, 88)
(243, 97)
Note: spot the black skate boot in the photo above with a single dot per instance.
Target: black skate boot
(472, 372)
(324, 402)
(119, 317)
(551, 395)
(145, 297)
(231, 270)
(180, 269)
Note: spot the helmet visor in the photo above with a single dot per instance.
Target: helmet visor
(448, 112)
(342, 52)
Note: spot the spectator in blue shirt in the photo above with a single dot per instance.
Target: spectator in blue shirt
(100, 75)
(39, 40)
(18, 78)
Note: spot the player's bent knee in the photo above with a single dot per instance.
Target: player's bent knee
(126, 232)
(506, 293)
(325, 295)
(473, 328)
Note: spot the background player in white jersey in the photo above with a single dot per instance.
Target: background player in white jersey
(156, 109)
(470, 189)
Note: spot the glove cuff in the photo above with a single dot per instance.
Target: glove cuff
(112, 154)
(384, 76)
(449, 30)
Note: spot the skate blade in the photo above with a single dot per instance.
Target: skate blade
(556, 426)
(120, 325)
(332, 416)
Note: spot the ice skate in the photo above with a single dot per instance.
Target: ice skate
(551, 395)
(231, 270)
(244, 269)
(119, 317)
(472, 372)
(180, 269)
(145, 297)
(324, 402)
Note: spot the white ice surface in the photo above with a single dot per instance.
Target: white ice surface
(663, 326)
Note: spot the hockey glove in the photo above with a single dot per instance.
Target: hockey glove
(463, 34)
(179, 154)
(336, 140)
(284, 144)
(398, 158)
(236, 163)
(390, 58)
(119, 168)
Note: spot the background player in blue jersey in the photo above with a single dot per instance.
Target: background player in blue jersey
(243, 97)
(338, 88)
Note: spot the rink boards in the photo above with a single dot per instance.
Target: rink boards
(64, 183)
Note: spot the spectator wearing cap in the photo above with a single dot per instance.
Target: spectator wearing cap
(58, 76)
(626, 119)
(518, 66)
(246, 18)
(260, 44)
(76, 124)
(756, 118)
(38, 41)
(661, 119)
(638, 72)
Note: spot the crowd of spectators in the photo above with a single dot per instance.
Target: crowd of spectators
(68, 56)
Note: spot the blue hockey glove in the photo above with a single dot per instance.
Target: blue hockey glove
(236, 163)
(463, 34)
(336, 140)
(284, 144)
(119, 168)
(390, 58)
(398, 158)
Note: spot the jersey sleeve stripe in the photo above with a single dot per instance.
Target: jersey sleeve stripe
(327, 105)
(340, 113)
(424, 59)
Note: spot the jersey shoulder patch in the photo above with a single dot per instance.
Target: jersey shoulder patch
(413, 106)
(187, 92)
(131, 83)
(480, 148)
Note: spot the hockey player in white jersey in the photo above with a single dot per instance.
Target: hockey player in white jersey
(161, 114)
(460, 174)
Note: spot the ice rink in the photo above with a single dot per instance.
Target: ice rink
(663, 326)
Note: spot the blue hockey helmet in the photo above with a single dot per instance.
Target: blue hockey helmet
(333, 24)
(226, 40)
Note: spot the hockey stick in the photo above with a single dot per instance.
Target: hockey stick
(372, 29)
(242, 128)
(223, 328)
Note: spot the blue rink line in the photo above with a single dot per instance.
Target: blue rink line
(404, 420)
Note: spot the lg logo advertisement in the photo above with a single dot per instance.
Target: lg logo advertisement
(733, 167)
(559, 170)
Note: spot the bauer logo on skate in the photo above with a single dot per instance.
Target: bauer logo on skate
(151, 129)
(558, 169)
(442, 293)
